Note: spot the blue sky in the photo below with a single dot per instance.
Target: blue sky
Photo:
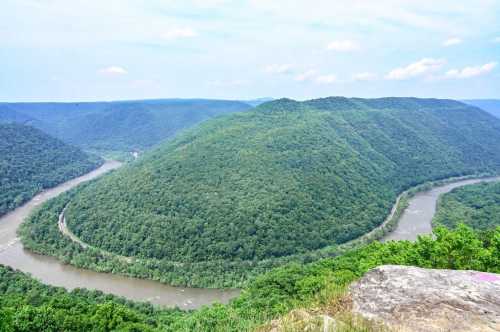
(60, 50)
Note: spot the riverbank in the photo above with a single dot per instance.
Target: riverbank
(166, 273)
(55, 272)
(418, 216)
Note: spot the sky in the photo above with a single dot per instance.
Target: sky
(85, 50)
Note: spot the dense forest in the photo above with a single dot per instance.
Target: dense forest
(31, 161)
(477, 206)
(27, 305)
(110, 127)
(248, 191)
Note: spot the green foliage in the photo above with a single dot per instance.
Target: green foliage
(282, 289)
(111, 128)
(31, 161)
(475, 205)
(247, 192)
(27, 305)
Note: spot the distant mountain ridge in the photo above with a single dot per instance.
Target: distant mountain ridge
(122, 126)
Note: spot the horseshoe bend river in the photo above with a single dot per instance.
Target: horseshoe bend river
(415, 220)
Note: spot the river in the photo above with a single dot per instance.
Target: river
(51, 271)
(416, 220)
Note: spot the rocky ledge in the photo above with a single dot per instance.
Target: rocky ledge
(408, 298)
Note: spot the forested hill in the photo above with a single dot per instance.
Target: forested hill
(477, 206)
(489, 105)
(286, 178)
(30, 161)
(117, 126)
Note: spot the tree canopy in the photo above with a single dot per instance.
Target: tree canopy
(286, 178)
(31, 161)
(477, 206)
(27, 305)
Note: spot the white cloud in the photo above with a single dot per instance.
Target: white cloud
(416, 69)
(178, 33)
(113, 70)
(367, 76)
(472, 71)
(452, 42)
(343, 46)
(279, 69)
(326, 79)
(306, 76)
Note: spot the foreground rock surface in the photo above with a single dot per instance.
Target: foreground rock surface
(415, 299)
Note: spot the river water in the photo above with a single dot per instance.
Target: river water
(50, 271)
(416, 220)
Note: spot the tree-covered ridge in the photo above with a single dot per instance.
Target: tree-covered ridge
(27, 305)
(117, 126)
(31, 161)
(287, 178)
(477, 206)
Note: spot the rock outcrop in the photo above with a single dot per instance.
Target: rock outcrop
(415, 299)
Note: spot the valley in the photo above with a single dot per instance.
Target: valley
(48, 247)
(54, 272)
(31, 161)
(192, 210)
(249, 166)
(117, 129)
(418, 217)
(415, 221)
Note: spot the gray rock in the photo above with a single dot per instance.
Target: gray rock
(415, 299)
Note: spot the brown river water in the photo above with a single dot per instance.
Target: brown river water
(51, 271)
(416, 220)
(417, 217)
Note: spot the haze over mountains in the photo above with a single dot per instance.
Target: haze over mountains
(121, 126)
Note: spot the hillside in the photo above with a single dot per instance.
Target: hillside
(117, 126)
(489, 105)
(319, 288)
(31, 161)
(477, 206)
(288, 178)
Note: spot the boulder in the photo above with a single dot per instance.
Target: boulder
(408, 298)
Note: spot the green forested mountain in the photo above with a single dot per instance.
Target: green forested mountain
(30, 161)
(476, 205)
(287, 178)
(117, 126)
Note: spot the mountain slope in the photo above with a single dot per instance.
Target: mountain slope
(286, 178)
(489, 105)
(117, 126)
(31, 161)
